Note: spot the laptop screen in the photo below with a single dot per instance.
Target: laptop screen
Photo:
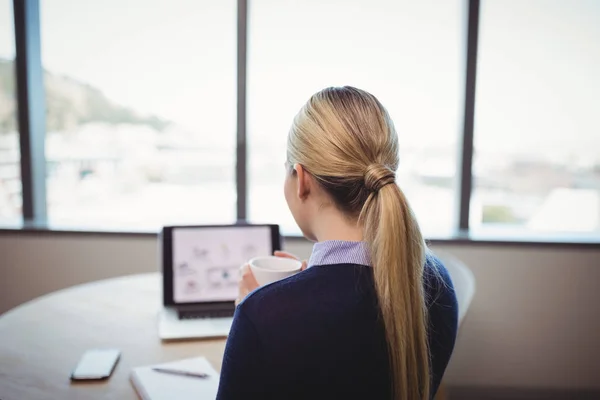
(206, 260)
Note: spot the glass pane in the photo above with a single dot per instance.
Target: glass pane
(407, 53)
(10, 172)
(141, 111)
(537, 130)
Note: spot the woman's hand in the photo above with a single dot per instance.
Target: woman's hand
(285, 254)
(248, 282)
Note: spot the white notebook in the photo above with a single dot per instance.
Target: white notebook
(153, 385)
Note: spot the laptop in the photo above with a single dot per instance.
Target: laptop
(200, 267)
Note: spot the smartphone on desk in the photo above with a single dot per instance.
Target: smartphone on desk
(96, 364)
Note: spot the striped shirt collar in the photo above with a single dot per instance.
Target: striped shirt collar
(339, 252)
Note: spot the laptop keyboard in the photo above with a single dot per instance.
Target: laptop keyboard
(205, 314)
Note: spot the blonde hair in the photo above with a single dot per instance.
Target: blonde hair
(345, 138)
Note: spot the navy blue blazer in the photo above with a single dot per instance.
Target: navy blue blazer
(319, 335)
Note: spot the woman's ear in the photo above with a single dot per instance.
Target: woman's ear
(304, 181)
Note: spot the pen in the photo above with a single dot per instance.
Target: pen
(181, 373)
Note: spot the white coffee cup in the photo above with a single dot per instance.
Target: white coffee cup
(270, 269)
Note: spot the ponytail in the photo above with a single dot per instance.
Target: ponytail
(398, 256)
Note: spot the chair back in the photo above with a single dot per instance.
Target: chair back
(463, 281)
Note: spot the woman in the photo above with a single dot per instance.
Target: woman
(374, 315)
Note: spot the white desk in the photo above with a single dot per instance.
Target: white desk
(42, 340)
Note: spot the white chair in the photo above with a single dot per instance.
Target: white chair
(463, 281)
(464, 287)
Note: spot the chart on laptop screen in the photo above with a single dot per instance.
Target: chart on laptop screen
(206, 261)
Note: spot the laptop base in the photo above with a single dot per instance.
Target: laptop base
(171, 327)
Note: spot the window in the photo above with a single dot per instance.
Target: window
(537, 127)
(409, 54)
(142, 106)
(10, 173)
(141, 111)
